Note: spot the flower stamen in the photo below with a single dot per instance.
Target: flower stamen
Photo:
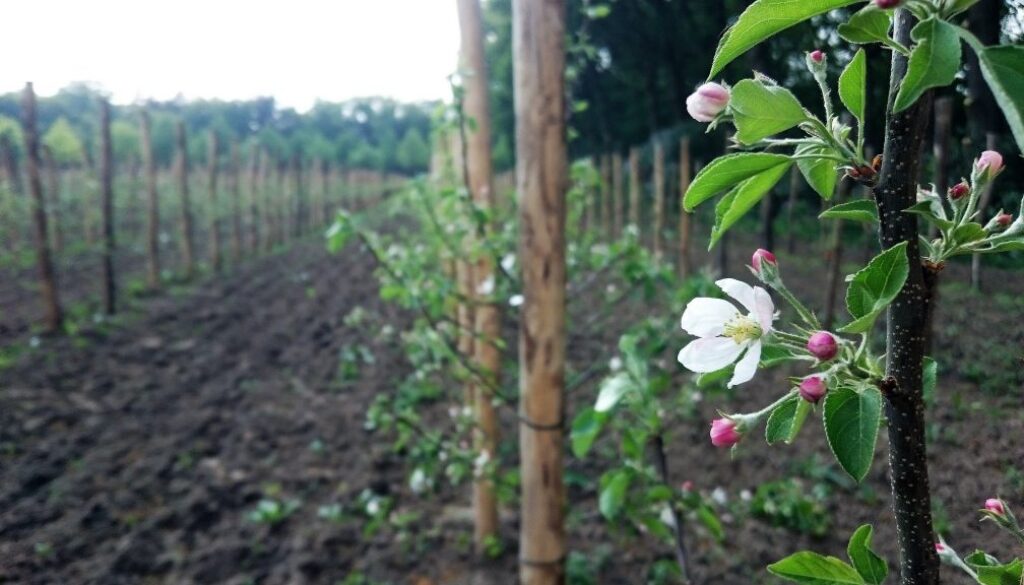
(741, 329)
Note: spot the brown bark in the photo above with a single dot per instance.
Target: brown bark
(236, 203)
(659, 198)
(107, 207)
(487, 325)
(153, 205)
(635, 185)
(617, 194)
(47, 280)
(187, 248)
(214, 210)
(685, 219)
(53, 186)
(538, 39)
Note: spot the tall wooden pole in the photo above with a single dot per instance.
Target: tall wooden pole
(659, 197)
(487, 321)
(606, 194)
(14, 190)
(187, 248)
(214, 210)
(236, 203)
(617, 194)
(153, 205)
(53, 186)
(107, 207)
(54, 318)
(252, 217)
(634, 187)
(685, 219)
(538, 46)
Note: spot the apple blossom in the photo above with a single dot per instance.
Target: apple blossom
(724, 333)
(724, 433)
(707, 102)
(813, 388)
(989, 160)
(817, 56)
(959, 191)
(762, 256)
(823, 346)
(995, 506)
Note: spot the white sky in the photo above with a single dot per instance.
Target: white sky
(294, 50)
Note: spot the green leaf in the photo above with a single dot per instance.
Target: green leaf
(1003, 69)
(773, 354)
(786, 420)
(1009, 574)
(821, 174)
(714, 378)
(934, 62)
(762, 20)
(931, 210)
(869, 25)
(875, 286)
(742, 199)
(852, 418)
(853, 85)
(612, 390)
(969, 232)
(871, 567)
(727, 171)
(812, 568)
(710, 521)
(959, 6)
(586, 426)
(762, 109)
(856, 210)
(615, 484)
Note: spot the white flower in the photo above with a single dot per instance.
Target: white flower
(373, 507)
(515, 300)
(615, 364)
(666, 517)
(725, 333)
(719, 496)
(480, 463)
(508, 262)
(746, 495)
(486, 286)
(419, 482)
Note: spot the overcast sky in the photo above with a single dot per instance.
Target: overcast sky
(296, 50)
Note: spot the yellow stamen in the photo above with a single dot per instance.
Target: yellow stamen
(742, 328)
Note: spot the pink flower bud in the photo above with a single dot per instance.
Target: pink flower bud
(817, 56)
(1004, 219)
(823, 346)
(687, 486)
(762, 255)
(724, 433)
(959, 191)
(887, 3)
(707, 102)
(940, 548)
(990, 160)
(995, 506)
(813, 388)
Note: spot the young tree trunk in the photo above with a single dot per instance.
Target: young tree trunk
(685, 175)
(187, 248)
(794, 192)
(298, 206)
(634, 187)
(617, 194)
(538, 40)
(266, 206)
(107, 207)
(991, 142)
(659, 198)
(606, 194)
(236, 203)
(487, 325)
(252, 217)
(53, 186)
(211, 190)
(906, 322)
(47, 280)
(153, 205)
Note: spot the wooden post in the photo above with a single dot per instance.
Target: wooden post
(991, 143)
(107, 207)
(54, 318)
(617, 194)
(634, 188)
(266, 206)
(236, 203)
(487, 325)
(211, 191)
(659, 197)
(253, 214)
(538, 41)
(13, 178)
(298, 206)
(153, 205)
(53, 186)
(606, 194)
(685, 175)
(187, 248)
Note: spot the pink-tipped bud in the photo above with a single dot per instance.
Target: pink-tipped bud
(823, 346)
(813, 388)
(995, 506)
(959, 191)
(817, 56)
(940, 548)
(887, 3)
(762, 256)
(989, 160)
(724, 433)
(686, 486)
(1004, 219)
(707, 102)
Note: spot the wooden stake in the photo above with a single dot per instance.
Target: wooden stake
(685, 174)
(211, 191)
(14, 190)
(187, 248)
(617, 194)
(107, 207)
(252, 240)
(538, 41)
(236, 203)
(606, 195)
(659, 197)
(53, 186)
(153, 205)
(634, 188)
(54, 318)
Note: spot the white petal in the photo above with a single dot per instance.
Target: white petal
(747, 367)
(765, 309)
(709, 354)
(741, 291)
(706, 317)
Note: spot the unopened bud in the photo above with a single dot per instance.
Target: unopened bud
(707, 102)
(995, 506)
(762, 257)
(823, 346)
(813, 388)
(817, 56)
(724, 432)
(989, 160)
(959, 191)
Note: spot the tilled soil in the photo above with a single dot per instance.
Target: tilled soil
(135, 457)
